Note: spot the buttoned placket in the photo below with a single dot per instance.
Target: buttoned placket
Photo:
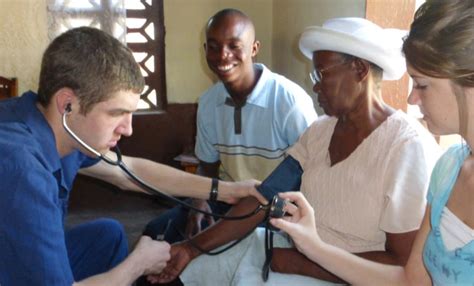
(237, 114)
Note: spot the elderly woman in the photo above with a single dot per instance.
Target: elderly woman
(365, 167)
(440, 60)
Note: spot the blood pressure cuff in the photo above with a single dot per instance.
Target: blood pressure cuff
(285, 178)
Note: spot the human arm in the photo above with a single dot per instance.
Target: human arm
(291, 261)
(217, 235)
(397, 248)
(31, 232)
(354, 269)
(170, 180)
(193, 224)
(397, 252)
(33, 238)
(149, 257)
(209, 158)
(287, 176)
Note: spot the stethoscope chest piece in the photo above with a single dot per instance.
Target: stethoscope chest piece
(276, 207)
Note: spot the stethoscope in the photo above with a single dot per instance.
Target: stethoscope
(273, 209)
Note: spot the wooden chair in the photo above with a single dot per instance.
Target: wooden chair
(8, 87)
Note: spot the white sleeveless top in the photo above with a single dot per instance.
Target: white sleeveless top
(455, 232)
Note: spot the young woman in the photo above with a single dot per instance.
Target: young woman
(364, 166)
(440, 58)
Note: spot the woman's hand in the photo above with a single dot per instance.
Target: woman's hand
(300, 225)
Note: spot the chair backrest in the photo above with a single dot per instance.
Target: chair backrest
(8, 87)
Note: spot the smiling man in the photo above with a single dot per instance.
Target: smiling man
(90, 79)
(364, 167)
(245, 122)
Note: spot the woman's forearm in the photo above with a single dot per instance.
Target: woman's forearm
(353, 269)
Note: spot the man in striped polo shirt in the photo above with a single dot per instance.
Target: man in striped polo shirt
(245, 122)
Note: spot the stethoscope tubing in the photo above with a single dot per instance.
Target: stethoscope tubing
(144, 185)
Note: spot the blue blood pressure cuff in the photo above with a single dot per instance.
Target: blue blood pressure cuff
(285, 178)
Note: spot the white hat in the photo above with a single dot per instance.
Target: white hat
(361, 38)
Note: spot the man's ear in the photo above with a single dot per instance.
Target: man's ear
(362, 67)
(255, 48)
(65, 97)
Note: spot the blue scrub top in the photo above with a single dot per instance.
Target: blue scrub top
(34, 191)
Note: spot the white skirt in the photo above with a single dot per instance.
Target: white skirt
(242, 266)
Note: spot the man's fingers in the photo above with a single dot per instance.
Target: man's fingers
(196, 228)
(189, 230)
(259, 197)
(210, 221)
(164, 277)
(152, 279)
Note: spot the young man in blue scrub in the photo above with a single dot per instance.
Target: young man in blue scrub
(245, 122)
(92, 81)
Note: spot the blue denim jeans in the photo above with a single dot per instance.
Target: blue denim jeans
(95, 247)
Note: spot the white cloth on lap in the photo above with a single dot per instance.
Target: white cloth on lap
(242, 266)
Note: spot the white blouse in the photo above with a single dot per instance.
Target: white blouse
(379, 188)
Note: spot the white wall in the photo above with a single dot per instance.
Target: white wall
(23, 38)
(278, 25)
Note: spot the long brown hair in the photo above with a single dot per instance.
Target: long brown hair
(441, 45)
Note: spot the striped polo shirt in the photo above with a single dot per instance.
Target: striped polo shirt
(275, 115)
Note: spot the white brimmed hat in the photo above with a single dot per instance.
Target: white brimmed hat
(361, 38)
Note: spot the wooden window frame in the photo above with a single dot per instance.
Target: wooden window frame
(154, 96)
(155, 47)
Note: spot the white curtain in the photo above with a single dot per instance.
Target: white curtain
(107, 15)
